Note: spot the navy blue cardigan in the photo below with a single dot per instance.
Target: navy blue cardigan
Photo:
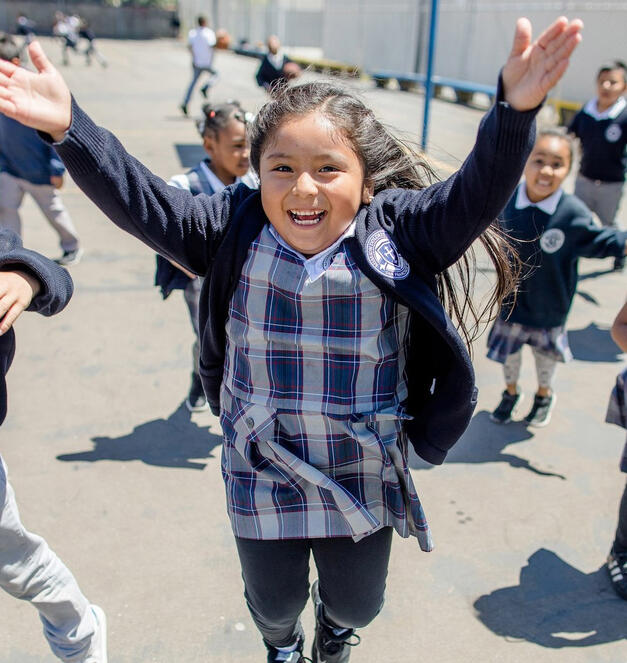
(431, 229)
(55, 293)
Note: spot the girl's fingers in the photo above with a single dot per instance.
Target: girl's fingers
(556, 28)
(559, 40)
(39, 59)
(522, 36)
(7, 68)
(556, 73)
(10, 317)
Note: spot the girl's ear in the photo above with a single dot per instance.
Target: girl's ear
(367, 193)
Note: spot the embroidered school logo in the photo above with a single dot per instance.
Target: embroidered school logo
(552, 240)
(613, 133)
(384, 256)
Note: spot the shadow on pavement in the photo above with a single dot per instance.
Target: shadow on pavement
(556, 605)
(593, 343)
(595, 274)
(170, 442)
(484, 442)
(190, 155)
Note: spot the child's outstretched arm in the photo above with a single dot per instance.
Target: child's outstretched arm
(172, 222)
(619, 329)
(440, 223)
(29, 281)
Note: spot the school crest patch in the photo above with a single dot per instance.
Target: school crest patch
(384, 257)
(552, 240)
(613, 133)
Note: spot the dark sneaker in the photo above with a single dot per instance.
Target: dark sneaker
(619, 264)
(506, 409)
(296, 656)
(330, 645)
(183, 108)
(617, 568)
(203, 90)
(196, 399)
(70, 257)
(541, 410)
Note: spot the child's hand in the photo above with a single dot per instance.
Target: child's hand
(56, 181)
(37, 99)
(532, 69)
(17, 290)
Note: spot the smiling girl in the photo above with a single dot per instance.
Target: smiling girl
(327, 348)
(552, 230)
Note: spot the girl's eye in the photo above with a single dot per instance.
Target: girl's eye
(282, 169)
(329, 169)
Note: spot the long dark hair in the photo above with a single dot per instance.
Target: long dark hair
(390, 162)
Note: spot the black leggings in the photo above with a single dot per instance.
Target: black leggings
(276, 581)
(620, 542)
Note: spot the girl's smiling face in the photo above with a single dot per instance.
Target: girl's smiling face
(312, 182)
(229, 151)
(547, 167)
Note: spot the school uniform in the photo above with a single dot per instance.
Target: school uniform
(550, 237)
(617, 414)
(271, 70)
(324, 369)
(26, 165)
(601, 175)
(29, 570)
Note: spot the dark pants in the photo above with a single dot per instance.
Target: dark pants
(276, 581)
(620, 542)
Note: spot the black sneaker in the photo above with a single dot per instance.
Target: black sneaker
(507, 407)
(619, 264)
(540, 413)
(196, 399)
(70, 257)
(296, 656)
(617, 568)
(183, 108)
(330, 645)
(203, 90)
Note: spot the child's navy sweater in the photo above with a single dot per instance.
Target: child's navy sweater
(430, 229)
(603, 145)
(55, 293)
(25, 155)
(550, 247)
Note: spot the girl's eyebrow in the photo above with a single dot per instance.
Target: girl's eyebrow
(334, 156)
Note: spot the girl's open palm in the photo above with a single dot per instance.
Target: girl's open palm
(533, 68)
(38, 99)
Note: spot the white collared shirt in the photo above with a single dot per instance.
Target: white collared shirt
(318, 264)
(548, 205)
(216, 183)
(612, 112)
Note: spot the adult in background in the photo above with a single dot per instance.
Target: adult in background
(200, 42)
(275, 68)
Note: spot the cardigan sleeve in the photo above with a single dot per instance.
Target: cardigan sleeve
(435, 226)
(56, 283)
(173, 222)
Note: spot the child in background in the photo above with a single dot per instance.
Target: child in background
(275, 68)
(28, 165)
(326, 347)
(29, 570)
(601, 126)
(552, 230)
(223, 132)
(617, 414)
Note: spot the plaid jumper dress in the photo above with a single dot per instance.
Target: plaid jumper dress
(312, 402)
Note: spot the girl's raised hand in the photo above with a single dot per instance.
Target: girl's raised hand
(38, 99)
(533, 68)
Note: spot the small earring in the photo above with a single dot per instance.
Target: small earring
(368, 198)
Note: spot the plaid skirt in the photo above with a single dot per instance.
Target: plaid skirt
(617, 410)
(506, 338)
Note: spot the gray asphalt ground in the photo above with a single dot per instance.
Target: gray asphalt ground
(111, 469)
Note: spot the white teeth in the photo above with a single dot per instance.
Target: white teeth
(307, 217)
